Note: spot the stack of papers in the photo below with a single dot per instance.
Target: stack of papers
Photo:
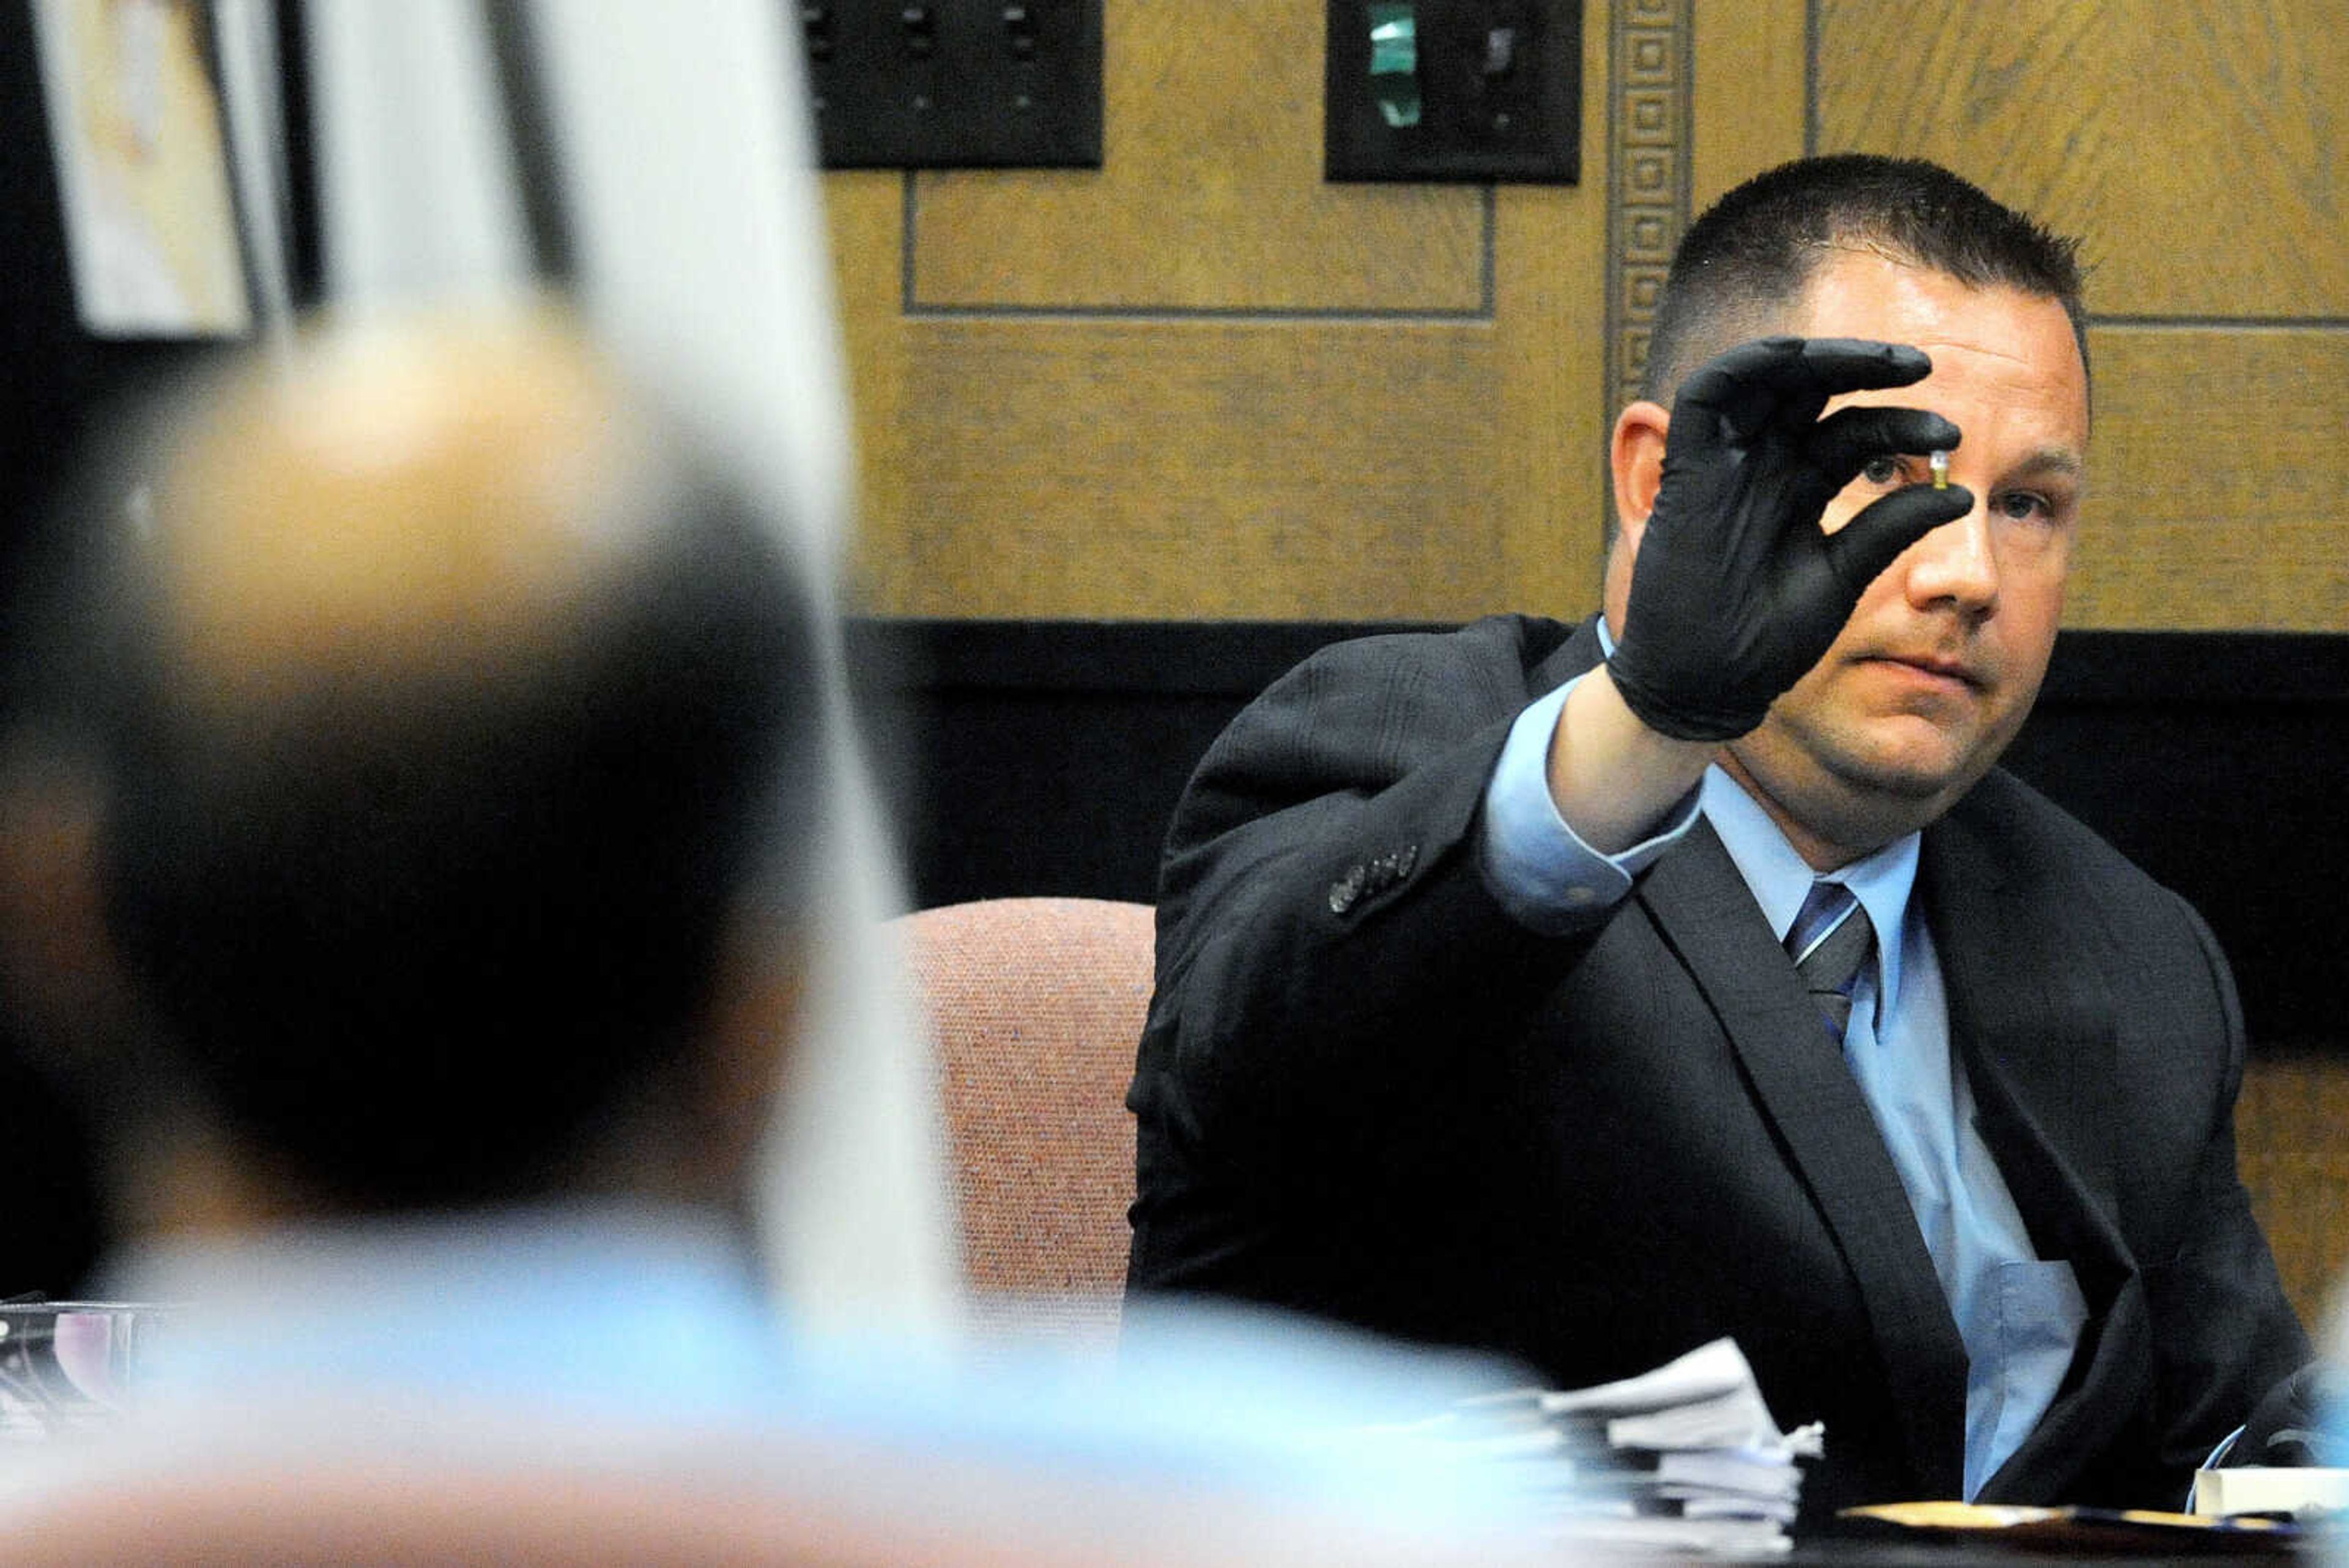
(2281, 1489)
(1685, 1458)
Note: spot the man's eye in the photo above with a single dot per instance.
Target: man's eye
(1882, 469)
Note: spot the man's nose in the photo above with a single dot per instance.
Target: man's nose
(1956, 564)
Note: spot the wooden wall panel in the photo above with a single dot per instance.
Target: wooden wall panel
(985, 309)
(865, 212)
(1751, 106)
(1210, 196)
(1545, 469)
(2218, 496)
(1220, 469)
(2200, 142)
(1203, 383)
(2288, 1127)
(2198, 149)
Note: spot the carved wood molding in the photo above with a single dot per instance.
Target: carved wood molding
(1648, 128)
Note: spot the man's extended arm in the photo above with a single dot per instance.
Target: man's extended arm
(1315, 905)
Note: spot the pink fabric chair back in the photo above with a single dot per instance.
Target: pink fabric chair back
(1037, 1004)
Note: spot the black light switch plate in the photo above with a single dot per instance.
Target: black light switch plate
(1462, 90)
(948, 84)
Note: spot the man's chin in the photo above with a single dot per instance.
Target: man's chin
(1906, 778)
(1862, 782)
(1912, 754)
(1913, 775)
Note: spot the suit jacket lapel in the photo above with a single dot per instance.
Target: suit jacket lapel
(1701, 906)
(2034, 1034)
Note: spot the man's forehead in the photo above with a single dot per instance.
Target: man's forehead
(1866, 293)
(1995, 342)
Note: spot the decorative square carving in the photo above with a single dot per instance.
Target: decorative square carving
(1647, 116)
(1647, 180)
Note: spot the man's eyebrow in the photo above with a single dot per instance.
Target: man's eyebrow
(2053, 460)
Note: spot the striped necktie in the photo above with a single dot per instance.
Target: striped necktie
(1830, 942)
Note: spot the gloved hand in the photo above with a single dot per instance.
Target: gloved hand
(1737, 592)
(2297, 1422)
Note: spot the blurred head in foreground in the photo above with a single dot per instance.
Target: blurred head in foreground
(458, 742)
(458, 728)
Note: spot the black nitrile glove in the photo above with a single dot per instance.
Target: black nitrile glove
(2296, 1423)
(1737, 591)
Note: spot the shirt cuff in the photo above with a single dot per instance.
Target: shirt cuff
(1539, 868)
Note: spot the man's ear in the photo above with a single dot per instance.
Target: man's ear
(1636, 459)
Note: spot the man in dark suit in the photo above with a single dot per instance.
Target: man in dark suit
(1587, 993)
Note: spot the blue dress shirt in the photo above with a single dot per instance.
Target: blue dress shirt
(630, 1329)
(2019, 1315)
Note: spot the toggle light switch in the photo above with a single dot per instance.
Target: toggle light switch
(956, 84)
(921, 31)
(815, 25)
(1454, 90)
(1019, 31)
(1394, 63)
(1500, 52)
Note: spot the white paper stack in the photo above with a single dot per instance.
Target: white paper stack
(2301, 1493)
(1683, 1458)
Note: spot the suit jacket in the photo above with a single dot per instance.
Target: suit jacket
(1365, 1091)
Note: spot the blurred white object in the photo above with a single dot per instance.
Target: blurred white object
(1685, 1458)
(693, 203)
(2269, 1488)
(416, 184)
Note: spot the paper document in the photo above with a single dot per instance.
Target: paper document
(2271, 1488)
(1686, 1457)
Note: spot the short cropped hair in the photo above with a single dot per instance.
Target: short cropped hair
(1746, 261)
(421, 948)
